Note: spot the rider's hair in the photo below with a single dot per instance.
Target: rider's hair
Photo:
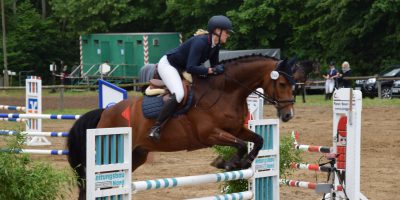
(200, 32)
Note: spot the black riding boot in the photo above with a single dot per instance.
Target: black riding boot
(165, 114)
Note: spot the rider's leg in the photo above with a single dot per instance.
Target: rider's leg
(173, 81)
(326, 90)
(331, 88)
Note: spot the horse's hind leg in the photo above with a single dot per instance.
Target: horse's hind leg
(139, 156)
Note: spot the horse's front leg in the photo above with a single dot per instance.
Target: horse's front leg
(258, 141)
(223, 138)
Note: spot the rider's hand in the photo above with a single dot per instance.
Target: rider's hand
(218, 69)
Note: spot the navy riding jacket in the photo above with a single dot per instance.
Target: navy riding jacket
(191, 55)
(332, 72)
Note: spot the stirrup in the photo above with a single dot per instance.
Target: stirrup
(155, 133)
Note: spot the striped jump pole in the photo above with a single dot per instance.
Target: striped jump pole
(7, 107)
(312, 167)
(191, 180)
(233, 196)
(309, 148)
(38, 116)
(305, 184)
(38, 151)
(44, 134)
(13, 119)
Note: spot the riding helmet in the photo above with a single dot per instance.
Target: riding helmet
(219, 21)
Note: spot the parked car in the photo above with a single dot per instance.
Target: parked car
(369, 87)
(396, 89)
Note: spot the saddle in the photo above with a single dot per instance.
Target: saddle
(157, 93)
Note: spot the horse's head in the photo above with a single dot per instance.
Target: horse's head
(278, 86)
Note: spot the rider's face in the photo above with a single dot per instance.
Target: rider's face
(224, 35)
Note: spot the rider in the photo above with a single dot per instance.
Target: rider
(190, 56)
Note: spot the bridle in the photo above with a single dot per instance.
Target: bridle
(271, 100)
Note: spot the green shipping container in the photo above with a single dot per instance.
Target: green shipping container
(126, 53)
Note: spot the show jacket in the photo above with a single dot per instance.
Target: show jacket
(191, 55)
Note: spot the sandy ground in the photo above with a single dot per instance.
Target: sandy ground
(379, 163)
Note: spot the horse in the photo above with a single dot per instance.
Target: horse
(215, 118)
(301, 70)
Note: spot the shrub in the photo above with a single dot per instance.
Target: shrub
(287, 155)
(24, 179)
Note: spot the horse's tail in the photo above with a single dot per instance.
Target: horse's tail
(77, 145)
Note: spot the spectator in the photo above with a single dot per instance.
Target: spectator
(330, 80)
(345, 72)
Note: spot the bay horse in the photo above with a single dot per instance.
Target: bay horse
(216, 118)
(301, 72)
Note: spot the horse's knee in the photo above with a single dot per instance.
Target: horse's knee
(139, 157)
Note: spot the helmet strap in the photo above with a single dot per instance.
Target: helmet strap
(219, 36)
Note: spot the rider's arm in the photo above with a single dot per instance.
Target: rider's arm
(194, 57)
(214, 57)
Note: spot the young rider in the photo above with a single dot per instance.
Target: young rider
(330, 80)
(190, 56)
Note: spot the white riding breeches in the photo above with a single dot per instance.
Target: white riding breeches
(171, 78)
(329, 85)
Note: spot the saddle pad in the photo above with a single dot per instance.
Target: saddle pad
(151, 106)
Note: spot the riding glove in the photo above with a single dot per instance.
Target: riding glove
(218, 69)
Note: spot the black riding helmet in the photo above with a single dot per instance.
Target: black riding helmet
(219, 21)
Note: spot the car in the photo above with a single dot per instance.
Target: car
(369, 87)
(396, 89)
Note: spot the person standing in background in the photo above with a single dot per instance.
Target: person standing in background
(345, 72)
(330, 80)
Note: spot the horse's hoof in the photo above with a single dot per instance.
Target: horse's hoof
(244, 164)
(218, 163)
(229, 168)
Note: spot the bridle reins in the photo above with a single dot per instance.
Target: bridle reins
(271, 100)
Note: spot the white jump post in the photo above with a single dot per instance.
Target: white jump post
(108, 163)
(33, 105)
(348, 102)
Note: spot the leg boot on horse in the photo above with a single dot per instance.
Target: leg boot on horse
(165, 114)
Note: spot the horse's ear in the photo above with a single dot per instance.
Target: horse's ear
(282, 65)
(292, 61)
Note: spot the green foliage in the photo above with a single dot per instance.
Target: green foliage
(22, 179)
(365, 33)
(287, 155)
(187, 19)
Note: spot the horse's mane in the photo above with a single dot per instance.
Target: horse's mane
(247, 58)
